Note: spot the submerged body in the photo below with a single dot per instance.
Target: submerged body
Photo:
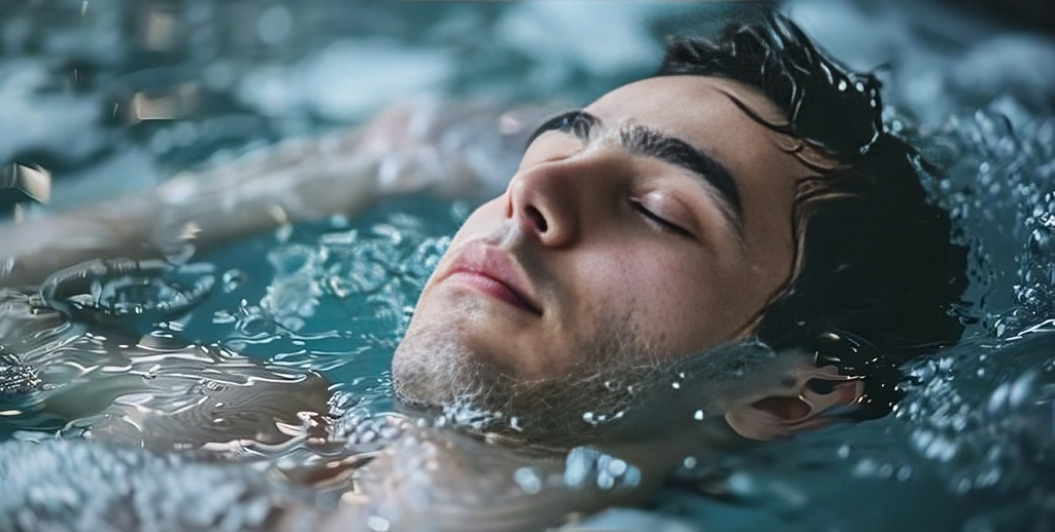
(298, 469)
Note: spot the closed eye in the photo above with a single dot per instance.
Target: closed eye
(659, 222)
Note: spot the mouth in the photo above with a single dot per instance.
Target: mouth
(493, 272)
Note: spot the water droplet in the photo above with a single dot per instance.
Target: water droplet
(632, 478)
(283, 232)
(232, 279)
(742, 484)
(528, 480)
(578, 465)
(998, 398)
(377, 524)
(989, 477)
(605, 481)
(867, 467)
(904, 473)
(1021, 388)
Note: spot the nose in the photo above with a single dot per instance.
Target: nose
(545, 202)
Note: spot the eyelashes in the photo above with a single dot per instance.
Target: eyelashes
(661, 223)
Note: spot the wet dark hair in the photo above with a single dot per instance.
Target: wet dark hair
(876, 276)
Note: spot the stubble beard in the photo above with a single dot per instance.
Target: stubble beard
(434, 368)
(620, 387)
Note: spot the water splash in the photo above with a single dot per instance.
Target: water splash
(75, 486)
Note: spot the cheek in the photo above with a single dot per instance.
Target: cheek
(670, 298)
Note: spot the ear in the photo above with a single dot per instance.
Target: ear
(811, 397)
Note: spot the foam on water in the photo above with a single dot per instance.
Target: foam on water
(126, 489)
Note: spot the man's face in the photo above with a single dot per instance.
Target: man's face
(649, 226)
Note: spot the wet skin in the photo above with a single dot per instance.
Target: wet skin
(661, 209)
(664, 211)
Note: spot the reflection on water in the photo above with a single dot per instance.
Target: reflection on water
(331, 297)
(969, 447)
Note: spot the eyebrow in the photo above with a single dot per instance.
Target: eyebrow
(651, 143)
(575, 121)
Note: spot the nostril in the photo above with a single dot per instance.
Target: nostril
(536, 218)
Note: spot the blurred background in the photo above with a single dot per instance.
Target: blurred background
(115, 95)
(110, 95)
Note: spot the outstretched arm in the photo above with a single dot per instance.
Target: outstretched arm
(452, 150)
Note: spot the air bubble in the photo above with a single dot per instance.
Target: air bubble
(1021, 389)
(579, 465)
(232, 279)
(605, 481)
(528, 480)
(377, 524)
(904, 473)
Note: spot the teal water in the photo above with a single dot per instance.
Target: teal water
(969, 448)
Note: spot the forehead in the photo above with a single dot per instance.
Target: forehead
(703, 112)
(686, 106)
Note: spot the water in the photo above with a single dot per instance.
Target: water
(970, 447)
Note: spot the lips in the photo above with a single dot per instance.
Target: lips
(491, 271)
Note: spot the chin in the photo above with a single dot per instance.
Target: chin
(435, 366)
